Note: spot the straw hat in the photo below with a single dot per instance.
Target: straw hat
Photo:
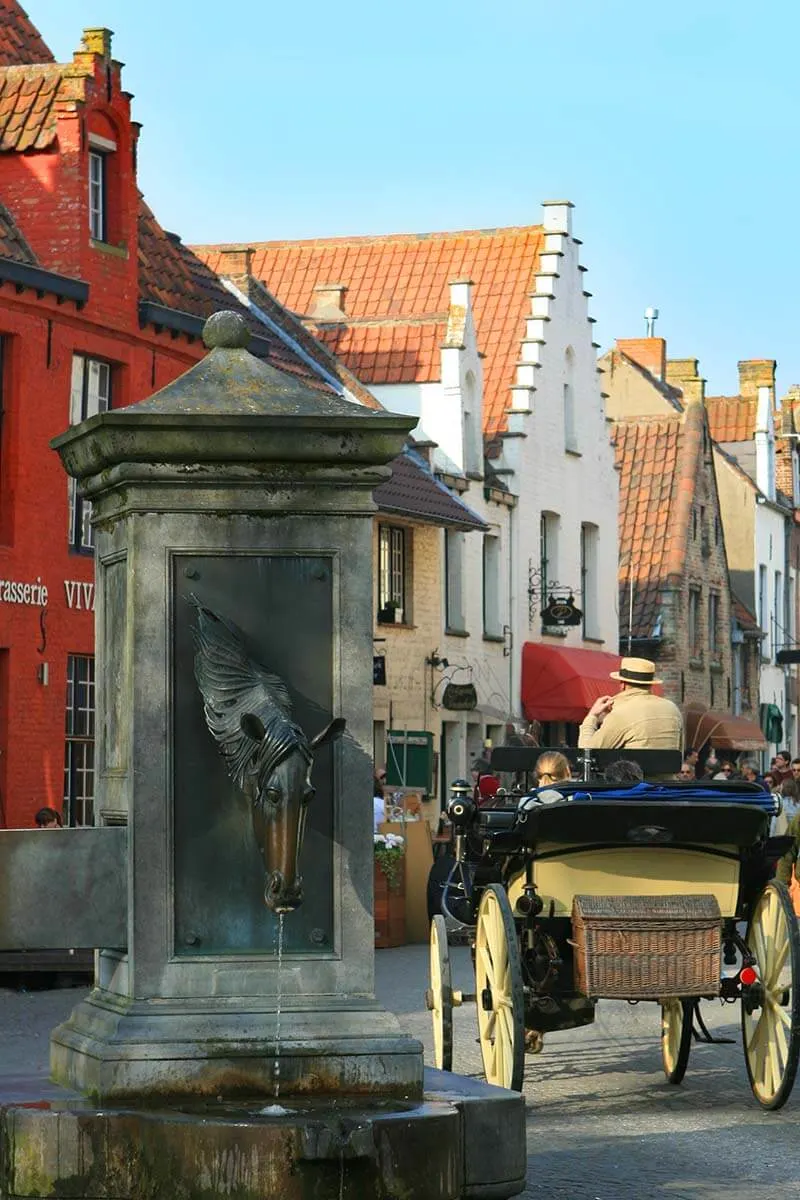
(636, 670)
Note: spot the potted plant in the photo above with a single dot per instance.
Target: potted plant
(389, 890)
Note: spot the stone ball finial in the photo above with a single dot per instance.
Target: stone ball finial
(226, 331)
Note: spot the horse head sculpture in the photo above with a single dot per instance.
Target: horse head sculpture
(268, 756)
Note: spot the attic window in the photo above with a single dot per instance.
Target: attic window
(97, 195)
(100, 151)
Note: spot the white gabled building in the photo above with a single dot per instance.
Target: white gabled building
(485, 336)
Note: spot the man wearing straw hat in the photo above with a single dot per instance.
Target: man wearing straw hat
(634, 719)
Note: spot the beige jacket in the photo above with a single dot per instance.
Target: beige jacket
(638, 721)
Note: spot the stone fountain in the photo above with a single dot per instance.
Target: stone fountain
(228, 1049)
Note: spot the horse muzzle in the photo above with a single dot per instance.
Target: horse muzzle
(281, 898)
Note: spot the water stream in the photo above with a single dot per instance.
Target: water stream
(276, 1071)
(276, 1109)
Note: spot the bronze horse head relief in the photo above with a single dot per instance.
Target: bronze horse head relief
(248, 711)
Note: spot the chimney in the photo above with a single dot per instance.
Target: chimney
(755, 373)
(682, 373)
(328, 304)
(649, 352)
(97, 41)
(235, 261)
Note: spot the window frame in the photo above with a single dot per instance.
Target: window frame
(82, 405)
(79, 740)
(693, 621)
(714, 640)
(491, 561)
(394, 547)
(98, 186)
(455, 617)
(590, 580)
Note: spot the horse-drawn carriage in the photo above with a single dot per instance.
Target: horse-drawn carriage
(658, 891)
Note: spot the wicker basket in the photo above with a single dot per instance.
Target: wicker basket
(646, 947)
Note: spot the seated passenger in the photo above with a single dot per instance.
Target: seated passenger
(623, 771)
(551, 767)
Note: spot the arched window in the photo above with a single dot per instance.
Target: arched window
(473, 463)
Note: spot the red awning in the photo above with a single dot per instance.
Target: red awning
(723, 730)
(561, 683)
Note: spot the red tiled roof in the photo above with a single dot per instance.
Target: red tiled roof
(12, 243)
(731, 418)
(743, 616)
(389, 353)
(406, 276)
(20, 40)
(28, 97)
(647, 460)
(171, 275)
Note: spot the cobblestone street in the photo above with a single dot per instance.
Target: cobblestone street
(602, 1123)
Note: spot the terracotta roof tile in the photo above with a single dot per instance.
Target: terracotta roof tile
(647, 460)
(170, 274)
(731, 418)
(28, 112)
(20, 40)
(413, 491)
(397, 353)
(12, 243)
(406, 276)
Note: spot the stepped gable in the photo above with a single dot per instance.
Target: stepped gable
(20, 40)
(12, 243)
(401, 278)
(172, 276)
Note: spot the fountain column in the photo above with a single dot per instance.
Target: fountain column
(250, 491)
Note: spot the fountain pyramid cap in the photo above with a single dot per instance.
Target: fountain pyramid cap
(234, 407)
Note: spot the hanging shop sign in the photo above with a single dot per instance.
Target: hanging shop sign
(460, 697)
(12, 591)
(560, 611)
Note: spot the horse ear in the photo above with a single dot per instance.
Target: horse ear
(329, 733)
(251, 725)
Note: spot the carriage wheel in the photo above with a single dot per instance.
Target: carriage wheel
(440, 997)
(771, 1006)
(500, 996)
(676, 1037)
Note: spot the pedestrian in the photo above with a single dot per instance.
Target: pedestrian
(748, 770)
(686, 772)
(48, 818)
(378, 799)
(636, 718)
(781, 765)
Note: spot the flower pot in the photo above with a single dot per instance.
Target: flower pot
(390, 910)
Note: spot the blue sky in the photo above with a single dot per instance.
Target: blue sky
(672, 128)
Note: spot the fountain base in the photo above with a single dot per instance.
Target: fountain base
(463, 1139)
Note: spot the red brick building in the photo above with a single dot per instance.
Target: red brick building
(99, 307)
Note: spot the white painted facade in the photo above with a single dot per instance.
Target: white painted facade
(556, 458)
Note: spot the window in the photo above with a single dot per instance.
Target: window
(394, 554)
(763, 611)
(79, 745)
(454, 581)
(548, 550)
(589, 580)
(714, 646)
(695, 648)
(472, 434)
(97, 195)
(90, 394)
(492, 625)
(778, 623)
